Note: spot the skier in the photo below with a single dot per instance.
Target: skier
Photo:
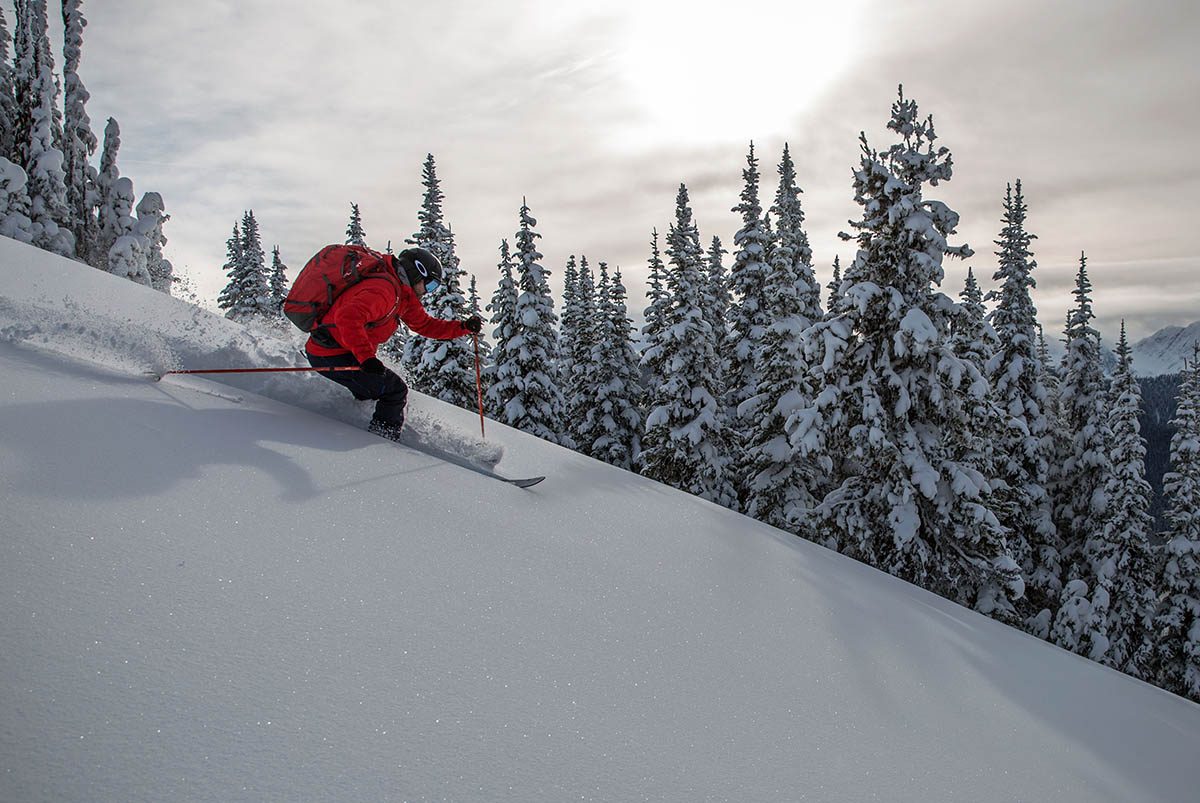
(364, 317)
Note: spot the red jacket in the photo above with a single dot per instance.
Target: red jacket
(368, 301)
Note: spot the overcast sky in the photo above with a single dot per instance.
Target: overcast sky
(596, 111)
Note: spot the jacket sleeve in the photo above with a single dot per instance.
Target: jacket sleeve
(416, 318)
(364, 302)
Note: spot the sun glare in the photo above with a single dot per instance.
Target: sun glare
(717, 71)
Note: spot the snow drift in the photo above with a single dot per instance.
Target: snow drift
(232, 592)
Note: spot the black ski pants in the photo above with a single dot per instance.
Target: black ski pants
(388, 389)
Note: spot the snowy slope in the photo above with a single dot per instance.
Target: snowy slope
(220, 593)
(1164, 351)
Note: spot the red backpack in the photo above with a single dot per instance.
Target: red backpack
(326, 276)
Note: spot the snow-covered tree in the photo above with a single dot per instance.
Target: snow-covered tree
(1121, 555)
(578, 372)
(718, 295)
(1178, 623)
(79, 143)
(14, 203)
(894, 405)
(614, 420)
(685, 443)
(445, 369)
(1015, 372)
(537, 404)
(247, 295)
(656, 315)
(442, 368)
(500, 376)
(777, 484)
(151, 215)
(277, 283)
(8, 99)
(354, 230)
(1082, 506)
(38, 142)
(747, 315)
(128, 256)
(835, 284)
(108, 227)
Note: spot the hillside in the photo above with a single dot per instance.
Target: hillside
(219, 592)
(1164, 351)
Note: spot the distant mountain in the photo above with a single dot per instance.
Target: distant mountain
(1164, 351)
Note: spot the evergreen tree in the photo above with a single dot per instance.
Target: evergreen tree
(354, 231)
(445, 369)
(128, 256)
(894, 406)
(1015, 373)
(1081, 505)
(835, 284)
(8, 99)
(277, 283)
(747, 313)
(718, 296)
(578, 374)
(1122, 560)
(569, 321)
(777, 487)
(246, 296)
(685, 440)
(537, 405)
(79, 143)
(656, 314)
(614, 420)
(108, 226)
(151, 215)
(500, 376)
(14, 203)
(39, 131)
(1178, 623)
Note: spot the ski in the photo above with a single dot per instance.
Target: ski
(462, 462)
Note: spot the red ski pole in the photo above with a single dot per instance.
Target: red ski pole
(252, 370)
(479, 386)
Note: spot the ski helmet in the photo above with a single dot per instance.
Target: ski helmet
(420, 266)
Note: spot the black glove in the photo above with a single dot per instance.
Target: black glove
(473, 324)
(372, 365)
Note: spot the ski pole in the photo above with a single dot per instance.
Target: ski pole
(479, 386)
(251, 370)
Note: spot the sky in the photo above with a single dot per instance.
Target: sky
(595, 112)
(232, 592)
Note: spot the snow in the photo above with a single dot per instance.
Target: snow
(1164, 351)
(219, 592)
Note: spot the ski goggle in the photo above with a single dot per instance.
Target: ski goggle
(431, 284)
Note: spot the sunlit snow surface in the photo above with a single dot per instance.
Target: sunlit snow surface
(230, 591)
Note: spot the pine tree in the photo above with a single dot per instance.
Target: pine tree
(835, 284)
(151, 215)
(441, 368)
(747, 314)
(1081, 507)
(685, 441)
(778, 483)
(1178, 623)
(614, 420)
(108, 227)
(500, 376)
(39, 132)
(79, 143)
(892, 414)
(247, 296)
(718, 296)
(14, 203)
(354, 231)
(1123, 561)
(8, 99)
(128, 256)
(1015, 373)
(277, 283)
(656, 314)
(445, 369)
(578, 374)
(537, 405)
